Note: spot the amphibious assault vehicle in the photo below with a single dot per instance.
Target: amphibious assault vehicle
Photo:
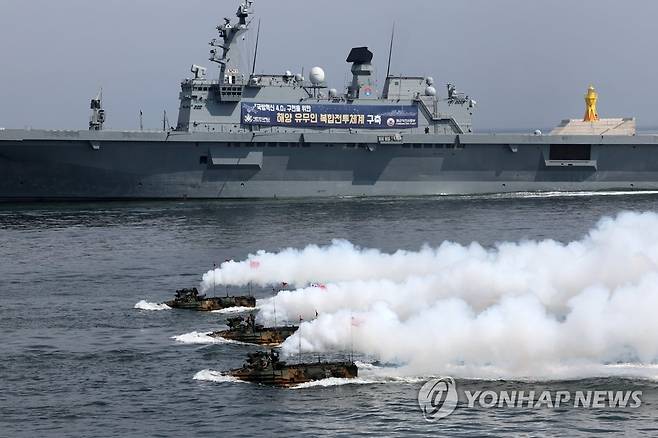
(266, 368)
(190, 299)
(246, 330)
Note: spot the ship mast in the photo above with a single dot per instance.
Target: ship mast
(253, 67)
(97, 113)
(230, 33)
(300, 338)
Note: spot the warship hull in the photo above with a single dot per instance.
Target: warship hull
(106, 165)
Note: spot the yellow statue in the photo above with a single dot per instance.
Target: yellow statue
(590, 100)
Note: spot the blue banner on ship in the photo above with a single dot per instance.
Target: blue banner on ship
(330, 116)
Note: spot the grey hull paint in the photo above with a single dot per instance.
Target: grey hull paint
(52, 165)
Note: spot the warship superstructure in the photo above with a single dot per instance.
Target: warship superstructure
(248, 135)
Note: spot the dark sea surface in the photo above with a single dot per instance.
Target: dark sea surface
(76, 359)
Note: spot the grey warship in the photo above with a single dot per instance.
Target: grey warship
(248, 135)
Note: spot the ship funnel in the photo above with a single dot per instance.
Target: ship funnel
(362, 86)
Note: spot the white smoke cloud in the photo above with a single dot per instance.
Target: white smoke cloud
(516, 337)
(528, 309)
(339, 261)
(616, 250)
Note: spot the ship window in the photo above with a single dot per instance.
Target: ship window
(271, 145)
(203, 159)
(427, 146)
(406, 146)
(570, 152)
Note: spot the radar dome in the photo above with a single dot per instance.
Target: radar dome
(429, 80)
(317, 76)
(333, 93)
(430, 91)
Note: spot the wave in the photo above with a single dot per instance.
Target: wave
(369, 374)
(333, 381)
(145, 305)
(216, 376)
(198, 338)
(203, 338)
(230, 310)
(365, 365)
(578, 194)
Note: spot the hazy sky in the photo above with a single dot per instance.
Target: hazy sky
(526, 62)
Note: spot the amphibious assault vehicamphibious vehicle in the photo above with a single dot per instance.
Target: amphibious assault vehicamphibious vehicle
(190, 299)
(266, 368)
(246, 330)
